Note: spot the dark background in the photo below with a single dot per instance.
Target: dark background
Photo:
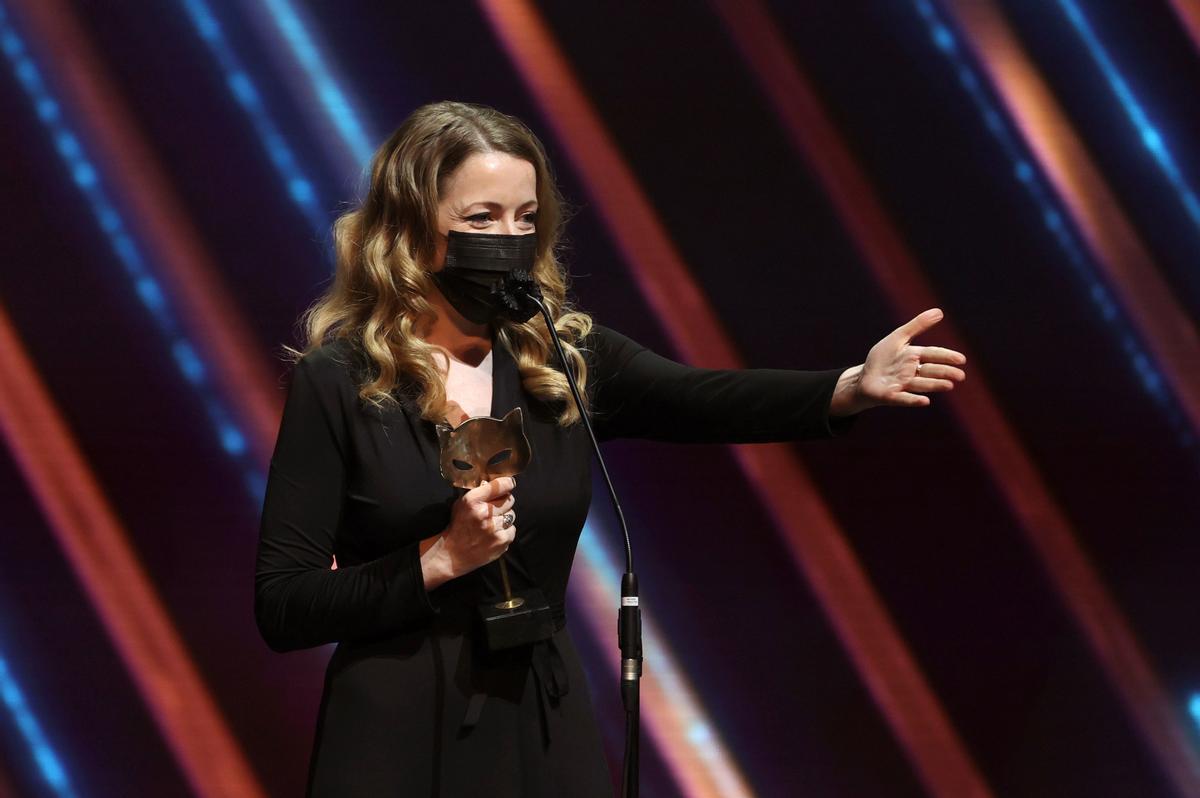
(932, 527)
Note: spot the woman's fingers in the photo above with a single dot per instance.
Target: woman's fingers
(502, 506)
(919, 324)
(940, 354)
(928, 385)
(940, 372)
(906, 399)
(897, 373)
(482, 525)
(493, 489)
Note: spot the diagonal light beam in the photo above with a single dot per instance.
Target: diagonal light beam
(995, 442)
(98, 550)
(246, 94)
(314, 83)
(1188, 12)
(187, 273)
(693, 749)
(44, 756)
(1148, 133)
(1167, 331)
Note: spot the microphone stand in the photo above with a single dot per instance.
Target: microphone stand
(629, 616)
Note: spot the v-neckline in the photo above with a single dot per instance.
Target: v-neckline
(489, 359)
(506, 384)
(506, 393)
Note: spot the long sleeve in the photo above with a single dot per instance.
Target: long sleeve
(639, 394)
(298, 601)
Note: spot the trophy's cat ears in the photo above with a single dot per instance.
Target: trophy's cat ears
(513, 417)
(512, 420)
(443, 433)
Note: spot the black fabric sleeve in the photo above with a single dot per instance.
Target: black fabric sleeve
(299, 602)
(639, 394)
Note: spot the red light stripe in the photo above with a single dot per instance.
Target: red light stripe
(97, 547)
(899, 276)
(809, 530)
(1188, 12)
(150, 647)
(201, 301)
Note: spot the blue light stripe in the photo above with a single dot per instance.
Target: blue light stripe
(148, 288)
(698, 731)
(332, 97)
(1056, 220)
(43, 754)
(299, 187)
(1194, 709)
(1148, 133)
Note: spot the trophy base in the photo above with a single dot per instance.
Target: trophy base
(524, 618)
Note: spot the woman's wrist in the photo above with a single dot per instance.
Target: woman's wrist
(848, 397)
(435, 564)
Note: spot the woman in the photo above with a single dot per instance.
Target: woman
(364, 542)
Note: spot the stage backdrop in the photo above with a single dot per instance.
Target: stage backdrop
(995, 595)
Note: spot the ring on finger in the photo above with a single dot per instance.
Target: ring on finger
(506, 520)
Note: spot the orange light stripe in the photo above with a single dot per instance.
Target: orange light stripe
(1168, 332)
(812, 535)
(671, 707)
(150, 646)
(200, 300)
(627, 213)
(1188, 12)
(97, 547)
(898, 274)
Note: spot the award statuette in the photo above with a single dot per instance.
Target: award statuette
(485, 448)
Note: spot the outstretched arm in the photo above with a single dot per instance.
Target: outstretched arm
(637, 393)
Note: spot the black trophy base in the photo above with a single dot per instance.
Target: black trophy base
(525, 618)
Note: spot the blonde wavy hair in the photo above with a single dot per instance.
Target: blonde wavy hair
(384, 249)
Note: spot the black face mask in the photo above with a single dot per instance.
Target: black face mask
(488, 276)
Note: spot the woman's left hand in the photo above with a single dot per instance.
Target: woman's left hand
(897, 372)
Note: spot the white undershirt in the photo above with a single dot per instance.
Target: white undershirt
(470, 386)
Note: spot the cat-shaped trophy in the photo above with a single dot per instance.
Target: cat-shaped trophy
(485, 448)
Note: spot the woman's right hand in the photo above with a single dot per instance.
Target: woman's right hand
(476, 535)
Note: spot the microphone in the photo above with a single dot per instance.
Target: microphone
(520, 298)
(517, 297)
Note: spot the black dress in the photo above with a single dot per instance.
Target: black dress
(412, 705)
